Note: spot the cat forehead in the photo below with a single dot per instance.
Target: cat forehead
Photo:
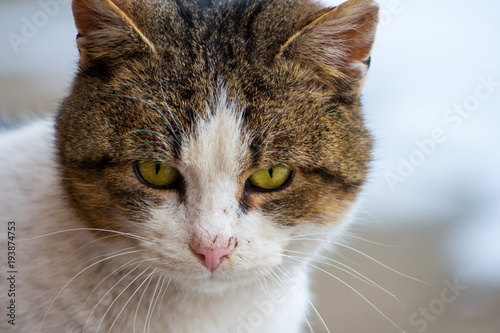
(218, 142)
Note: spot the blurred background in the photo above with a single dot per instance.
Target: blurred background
(428, 234)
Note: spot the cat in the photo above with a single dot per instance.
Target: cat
(206, 153)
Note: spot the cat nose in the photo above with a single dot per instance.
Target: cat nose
(211, 258)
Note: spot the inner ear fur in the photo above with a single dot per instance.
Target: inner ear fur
(106, 31)
(336, 45)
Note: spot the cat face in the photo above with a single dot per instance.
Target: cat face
(217, 139)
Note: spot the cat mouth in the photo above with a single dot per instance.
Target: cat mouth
(209, 282)
(196, 276)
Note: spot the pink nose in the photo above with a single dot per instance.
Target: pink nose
(211, 258)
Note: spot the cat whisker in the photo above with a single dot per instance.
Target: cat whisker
(373, 242)
(174, 116)
(146, 131)
(348, 235)
(83, 246)
(131, 262)
(348, 270)
(264, 290)
(107, 293)
(157, 301)
(165, 153)
(157, 109)
(271, 283)
(368, 257)
(139, 303)
(264, 131)
(117, 297)
(311, 304)
(276, 278)
(131, 296)
(123, 96)
(142, 101)
(380, 224)
(152, 304)
(113, 253)
(278, 113)
(358, 293)
(258, 283)
(320, 233)
(291, 129)
(328, 261)
(73, 278)
(151, 142)
(163, 295)
(126, 234)
(283, 152)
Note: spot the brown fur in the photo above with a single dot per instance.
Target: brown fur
(148, 69)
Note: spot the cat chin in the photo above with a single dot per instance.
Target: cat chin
(210, 283)
(224, 278)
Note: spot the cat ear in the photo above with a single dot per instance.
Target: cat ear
(106, 31)
(337, 42)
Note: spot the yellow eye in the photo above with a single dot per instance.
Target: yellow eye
(156, 174)
(270, 179)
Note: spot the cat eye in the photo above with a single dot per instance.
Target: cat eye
(157, 175)
(271, 179)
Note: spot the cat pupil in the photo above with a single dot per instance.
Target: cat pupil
(270, 170)
(157, 168)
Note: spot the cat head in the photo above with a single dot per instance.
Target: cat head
(220, 134)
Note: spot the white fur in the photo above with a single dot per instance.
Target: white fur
(61, 284)
(211, 158)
